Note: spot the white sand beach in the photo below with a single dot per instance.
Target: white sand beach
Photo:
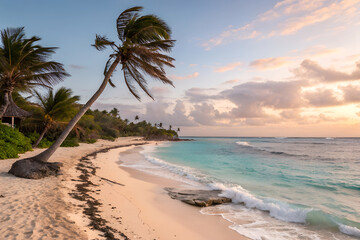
(124, 203)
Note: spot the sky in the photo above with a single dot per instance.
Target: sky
(288, 68)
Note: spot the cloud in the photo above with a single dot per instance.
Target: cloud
(317, 51)
(312, 70)
(251, 98)
(291, 114)
(205, 114)
(228, 67)
(288, 17)
(240, 33)
(269, 63)
(331, 10)
(231, 81)
(74, 66)
(351, 93)
(155, 112)
(160, 91)
(192, 65)
(199, 94)
(194, 75)
(322, 98)
(273, 102)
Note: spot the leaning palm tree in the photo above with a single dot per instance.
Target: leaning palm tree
(24, 65)
(143, 41)
(55, 108)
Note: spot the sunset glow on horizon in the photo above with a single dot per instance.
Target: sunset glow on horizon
(288, 68)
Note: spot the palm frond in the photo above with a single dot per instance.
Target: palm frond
(139, 79)
(129, 85)
(123, 20)
(101, 42)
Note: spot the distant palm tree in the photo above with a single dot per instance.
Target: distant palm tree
(55, 108)
(25, 65)
(143, 39)
(170, 127)
(136, 117)
(114, 112)
(155, 125)
(178, 130)
(160, 125)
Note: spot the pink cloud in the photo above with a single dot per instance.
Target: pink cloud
(295, 24)
(288, 17)
(231, 81)
(228, 67)
(269, 63)
(194, 75)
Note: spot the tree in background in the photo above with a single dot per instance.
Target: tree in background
(136, 118)
(25, 65)
(55, 108)
(143, 39)
(114, 112)
(170, 127)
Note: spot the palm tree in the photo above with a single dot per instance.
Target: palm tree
(114, 112)
(170, 127)
(178, 130)
(25, 65)
(160, 125)
(142, 41)
(56, 107)
(136, 117)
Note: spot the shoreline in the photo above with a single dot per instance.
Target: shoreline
(126, 202)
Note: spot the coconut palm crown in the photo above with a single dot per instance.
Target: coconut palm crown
(55, 108)
(143, 39)
(24, 64)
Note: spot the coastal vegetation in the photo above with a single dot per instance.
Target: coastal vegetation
(12, 142)
(57, 119)
(94, 125)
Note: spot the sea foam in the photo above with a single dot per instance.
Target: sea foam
(353, 231)
(278, 210)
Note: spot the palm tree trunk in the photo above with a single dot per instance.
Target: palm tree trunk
(47, 127)
(45, 155)
(5, 104)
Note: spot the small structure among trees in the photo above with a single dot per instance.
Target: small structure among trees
(13, 114)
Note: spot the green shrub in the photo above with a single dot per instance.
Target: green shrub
(71, 142)
(12, 142)
(7, 150)
(33, 136)
(45, 143)
(91, 140)
(110, 138)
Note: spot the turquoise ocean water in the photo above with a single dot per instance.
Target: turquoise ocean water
(282, 188)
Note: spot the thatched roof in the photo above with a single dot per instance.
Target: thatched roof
(14, 111)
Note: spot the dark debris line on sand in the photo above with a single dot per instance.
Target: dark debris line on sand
(82, 193)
